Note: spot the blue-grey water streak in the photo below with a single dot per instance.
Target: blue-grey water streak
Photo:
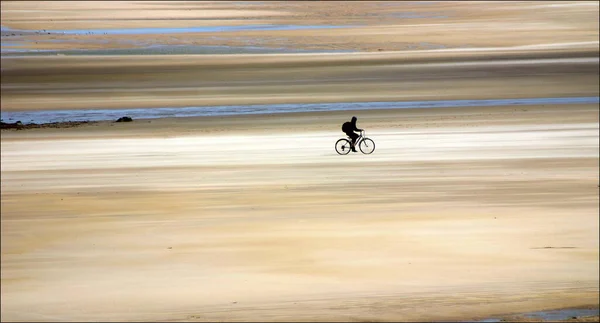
(161, 30)
(153, 113)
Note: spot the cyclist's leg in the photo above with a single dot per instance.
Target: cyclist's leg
(354, 137)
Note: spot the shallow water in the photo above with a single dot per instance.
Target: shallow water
(166, 49)
(26, 51)
(3, 44)
(154, 113)
(554, 315)
(559, 315)
(201, 29)
(8, 50)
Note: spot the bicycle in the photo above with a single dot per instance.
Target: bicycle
(366, 145)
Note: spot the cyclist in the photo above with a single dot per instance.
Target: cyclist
(349, 127)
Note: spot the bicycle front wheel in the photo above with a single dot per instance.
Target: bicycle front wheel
(343, 146)
(367, 146)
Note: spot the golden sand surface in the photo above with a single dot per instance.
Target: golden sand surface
(458, 214)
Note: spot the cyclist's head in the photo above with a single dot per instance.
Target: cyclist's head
(353, 119)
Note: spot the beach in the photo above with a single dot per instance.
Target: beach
(458, 214)
(462, 213)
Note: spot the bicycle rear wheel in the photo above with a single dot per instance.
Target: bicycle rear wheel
(343, 146)
(367, 146)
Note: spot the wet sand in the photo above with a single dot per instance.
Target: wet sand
(482, 50)
(88, 82)
(373, 25)
(458, 214)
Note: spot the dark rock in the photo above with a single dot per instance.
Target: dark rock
(124, 119)
(16, 125)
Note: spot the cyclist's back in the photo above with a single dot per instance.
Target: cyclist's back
(349, 128)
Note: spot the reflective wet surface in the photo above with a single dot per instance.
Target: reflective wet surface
(153, 113)
(200, 29)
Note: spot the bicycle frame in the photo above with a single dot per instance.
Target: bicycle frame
(362, 136)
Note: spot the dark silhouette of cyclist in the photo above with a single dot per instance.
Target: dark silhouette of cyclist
(349, 127)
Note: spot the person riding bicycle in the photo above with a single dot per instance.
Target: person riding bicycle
(349, 128)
